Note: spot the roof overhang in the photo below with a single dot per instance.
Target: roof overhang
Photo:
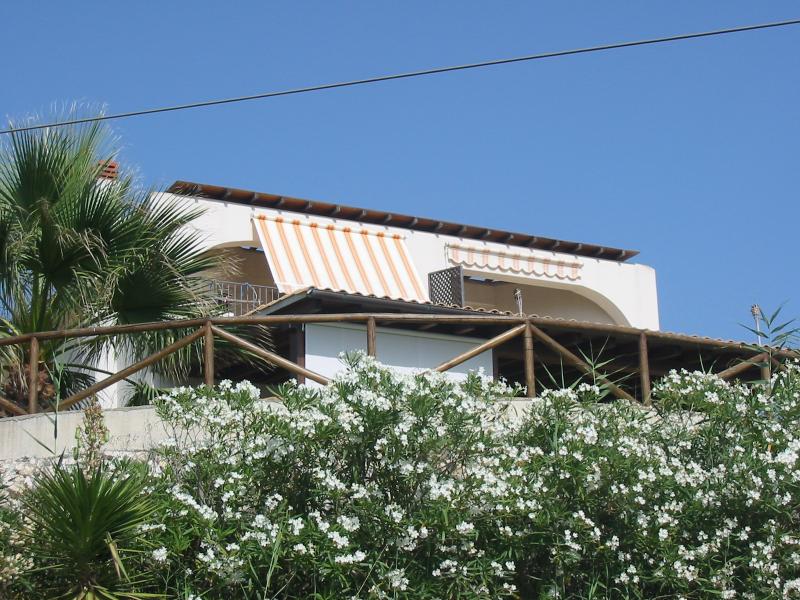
(379, 217)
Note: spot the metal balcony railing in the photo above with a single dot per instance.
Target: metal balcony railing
(240, 298)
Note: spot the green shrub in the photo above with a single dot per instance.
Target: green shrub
(393, 486)
(384, 485)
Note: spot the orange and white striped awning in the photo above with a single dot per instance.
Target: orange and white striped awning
(518, 263)
(351, 259)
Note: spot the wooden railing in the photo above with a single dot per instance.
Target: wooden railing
(527, 327)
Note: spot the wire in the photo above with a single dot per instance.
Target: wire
(379, 79)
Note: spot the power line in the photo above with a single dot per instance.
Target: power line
(381, 78)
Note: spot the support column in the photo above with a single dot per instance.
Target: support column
(208, 358)
(766, 370)
(644, 370)
(372, 342)
(530, 372)
(33, 377)
(297, 349)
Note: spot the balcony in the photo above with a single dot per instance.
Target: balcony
(240, 298)
(501, 292)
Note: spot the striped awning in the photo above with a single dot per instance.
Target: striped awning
(518, 263)
(350, 259)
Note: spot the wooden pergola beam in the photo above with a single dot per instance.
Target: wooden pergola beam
(127, 372)
(270, 357)
(9, 406)
(648, 345)
(480, 348)
(778, 364)
(743, 366)
(439, 319)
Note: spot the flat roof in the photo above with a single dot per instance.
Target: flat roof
(379, 217)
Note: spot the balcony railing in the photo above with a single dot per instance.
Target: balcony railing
(240, 298)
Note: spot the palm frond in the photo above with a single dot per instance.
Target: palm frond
(75, 251)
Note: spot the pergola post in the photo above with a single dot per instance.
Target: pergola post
(530, 372)
(766, 369)
(33, 377)
(372, 345)
(208, 352)
(644, 369)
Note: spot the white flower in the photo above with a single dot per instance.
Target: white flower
(465, 527)
(349, 559)
(339, 540)
(397, 580)
(349, 523)
(394, 512)
(159, 555)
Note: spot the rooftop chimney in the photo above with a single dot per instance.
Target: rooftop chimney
(110, 169)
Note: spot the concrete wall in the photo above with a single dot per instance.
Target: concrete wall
(406, 351)
(131, 429)
(624, 291)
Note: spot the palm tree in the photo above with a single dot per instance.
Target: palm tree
(77, 250)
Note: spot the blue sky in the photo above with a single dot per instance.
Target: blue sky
(688, 152)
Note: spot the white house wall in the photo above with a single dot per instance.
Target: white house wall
(536, 299)
(625, 291)
(406, 351)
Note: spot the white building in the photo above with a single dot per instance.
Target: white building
(288, 244)
(288, 248)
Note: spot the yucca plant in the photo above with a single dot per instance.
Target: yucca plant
(774, 336)
(82, 527)
(602, 371)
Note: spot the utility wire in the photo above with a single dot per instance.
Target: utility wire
(379, 79)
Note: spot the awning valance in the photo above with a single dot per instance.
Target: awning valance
(351, 259)
(522, 263)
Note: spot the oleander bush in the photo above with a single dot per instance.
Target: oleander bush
(384, 485)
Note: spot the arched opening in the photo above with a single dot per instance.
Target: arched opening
(573, 302)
